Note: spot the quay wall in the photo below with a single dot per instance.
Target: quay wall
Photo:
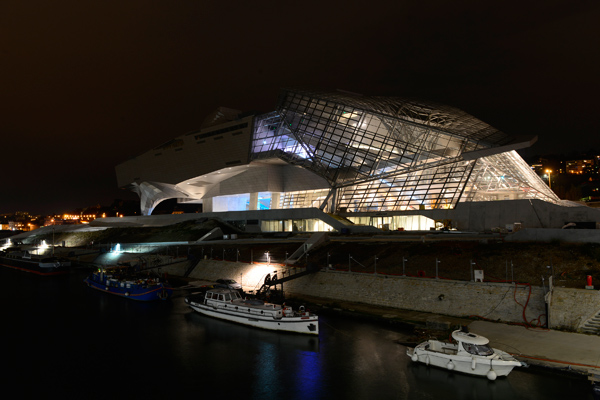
(555, 235)
(493, 301)
(569, 308)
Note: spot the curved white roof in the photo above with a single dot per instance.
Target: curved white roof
(468, 337)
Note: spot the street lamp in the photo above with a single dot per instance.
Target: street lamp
(549, 172)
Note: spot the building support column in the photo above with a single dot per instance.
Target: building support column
(333, 201)
(207, 205)
(253, 201)
(275, 197)
(330, 201)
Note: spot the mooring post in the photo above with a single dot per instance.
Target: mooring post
(375, 265)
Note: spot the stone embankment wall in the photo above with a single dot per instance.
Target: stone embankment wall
(555, 235)
(571, 308)
(493, 301)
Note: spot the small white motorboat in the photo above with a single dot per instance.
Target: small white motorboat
(471, 354)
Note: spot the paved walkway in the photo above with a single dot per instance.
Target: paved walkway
(549, 348)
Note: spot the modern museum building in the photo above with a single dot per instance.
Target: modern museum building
(339, 161)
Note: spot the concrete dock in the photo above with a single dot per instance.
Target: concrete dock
(561, 351)
(545, 347)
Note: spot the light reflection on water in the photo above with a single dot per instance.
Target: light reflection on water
(64, 338)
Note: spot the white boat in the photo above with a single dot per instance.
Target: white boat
(471, 354)
(228, 304)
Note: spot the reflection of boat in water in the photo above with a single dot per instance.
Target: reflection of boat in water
(38, 265)
(228, 304)
(121, 281)
(215, 329)
(471, 354)
(440, 384)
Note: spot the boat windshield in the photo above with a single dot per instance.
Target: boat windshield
(223, 296)
(478, 350)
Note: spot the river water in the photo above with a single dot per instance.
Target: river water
(64, 340)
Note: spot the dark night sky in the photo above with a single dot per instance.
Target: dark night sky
(86, 85)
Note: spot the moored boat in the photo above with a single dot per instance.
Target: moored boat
(471, 354)
(39, 265)
(116, 281)
(228, 304)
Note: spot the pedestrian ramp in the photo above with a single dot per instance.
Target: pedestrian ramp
(316, 239)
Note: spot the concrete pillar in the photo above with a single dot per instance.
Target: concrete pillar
(275, 197)
(253, 201)
(207, 205)
(333, 201)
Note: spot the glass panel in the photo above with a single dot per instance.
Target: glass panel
(506, 176)
(390, 154)
(305, 225)
(240, 202)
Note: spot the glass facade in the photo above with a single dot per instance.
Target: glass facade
(293, 225)
(238, 202)
(303, 199)
(390, 154)
(505, 176)
(396, 222)
(376, 161)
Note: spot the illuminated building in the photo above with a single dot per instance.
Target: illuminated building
(376, 161)
(580, 166)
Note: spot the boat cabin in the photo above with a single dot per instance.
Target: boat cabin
(231, 300)
(222, 295)
(473, 344)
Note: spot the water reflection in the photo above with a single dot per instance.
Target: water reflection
(215, 330)
(274, 364)
(441, 382)
(63, 338)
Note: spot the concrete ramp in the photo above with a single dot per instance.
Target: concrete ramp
(214, 234)
(315, 240)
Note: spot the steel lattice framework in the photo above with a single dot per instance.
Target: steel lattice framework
(391, 154)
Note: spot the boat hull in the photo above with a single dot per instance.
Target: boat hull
(499, 364)
(305, 324)
(131, 290)
(37, 267)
